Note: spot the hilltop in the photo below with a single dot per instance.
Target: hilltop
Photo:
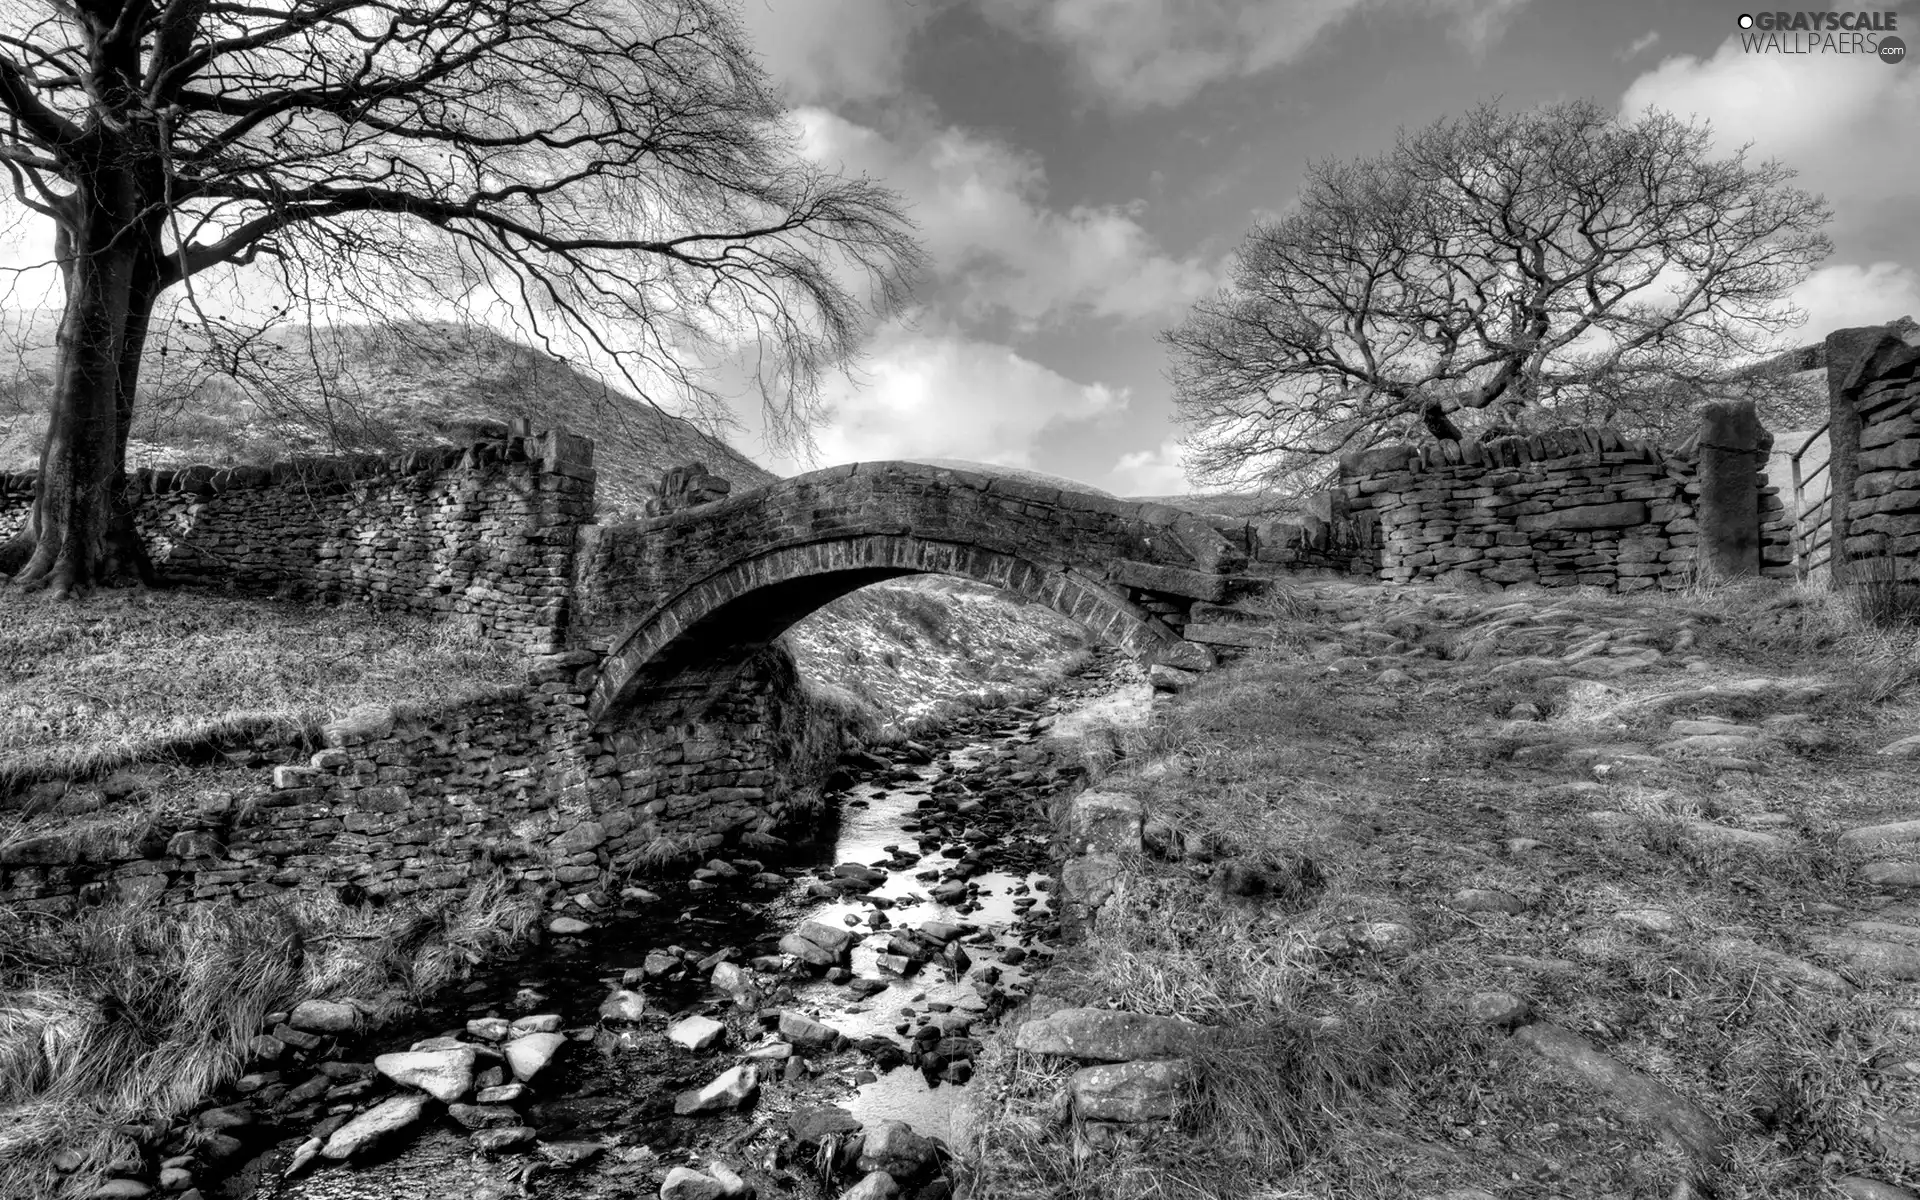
(362, 388)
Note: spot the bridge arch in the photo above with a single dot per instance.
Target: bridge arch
(683, 655)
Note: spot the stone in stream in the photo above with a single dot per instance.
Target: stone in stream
(121, 1189)
(810, 952)
(529, 1055)
(623, 1005)
(1692, 1130)
(833, 940)
(876, 1186)
(538, 1023)
(483, 1116)
(732, 979)
(810, 1125)
(324, 1016)
(506, 1093)
(805, 1032)
(489, 1029)
(568, 926)
(446, 1075)
(730, 1089)
(730, 1182)
(893, 1147)
(696, 1032)
(503, 1140)
(683, 1183)
(1132, 1091)
(384, 1119)
(304, 1154)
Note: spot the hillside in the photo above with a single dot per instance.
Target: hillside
(354, 389)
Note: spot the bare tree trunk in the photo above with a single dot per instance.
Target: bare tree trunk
(80, 532)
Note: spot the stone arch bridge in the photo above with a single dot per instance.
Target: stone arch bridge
(679, 603)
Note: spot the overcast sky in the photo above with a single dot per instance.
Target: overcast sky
(1080, 169)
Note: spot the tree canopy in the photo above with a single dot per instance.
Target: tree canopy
(616, 173)
(1487, 270)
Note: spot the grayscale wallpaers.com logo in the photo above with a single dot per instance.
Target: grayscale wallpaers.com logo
(1868, 33)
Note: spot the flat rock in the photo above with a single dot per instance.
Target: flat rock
(1859, 1187)
(537, 1023)
(1644, 1096)
(1131, 1091)
(529, 1055)
(1727, 835)
(1893, 833)
(384, 1119)
(1108, 1035)
(505, 1139)
(121, 1189)
(808, 951)
(489, 1029)
(1906, 747)
(1653, 920)
(1486, 900)
(1895, 959)
(1773, 962)
(483, 1116)
(696, 1032)
(324, 1016)
(568, 926)
(729, 1089)
(1887, 873)
(446, 1075)
(805, 1032)
(831, 938)
(1105, 823)
(683, 1183)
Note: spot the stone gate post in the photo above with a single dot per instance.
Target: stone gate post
(1733, 450)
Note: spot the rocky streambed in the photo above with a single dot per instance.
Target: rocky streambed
(797, 1026)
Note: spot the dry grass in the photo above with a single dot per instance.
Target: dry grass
(129, 675)
(1350, 1071)
(127, 1014)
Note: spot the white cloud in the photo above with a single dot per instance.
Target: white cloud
(1845, 294)
(1844, 121)
(1160, 471)
(942, 394)
(1141, 53)
(1639, 46)
(822, 50)
(995, 243)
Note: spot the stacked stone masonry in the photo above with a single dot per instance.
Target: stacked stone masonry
(513, 778)
(1560, 508)
(485, 532)
(1883, 525)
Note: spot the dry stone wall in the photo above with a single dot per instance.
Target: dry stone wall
(484, 532)
(1565, 507)
(1883, 503)
(395, 803)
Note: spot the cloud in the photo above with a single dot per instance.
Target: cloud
(826, 50)
(1845, 294)
(1160, 471)
(943, 394)
(1842, 120)
(995, 243)
(1638, 46)
(1143, 53)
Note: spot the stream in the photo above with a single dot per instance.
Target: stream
(934, 856)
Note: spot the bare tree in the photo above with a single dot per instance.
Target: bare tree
(614, 172)
(1495, 264)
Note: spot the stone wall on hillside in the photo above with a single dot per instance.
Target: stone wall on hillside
(1564, 507)
(402, 803)
(1882, 522)
(485, 532)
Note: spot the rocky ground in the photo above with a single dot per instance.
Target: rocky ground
(755, 1027)
(1493, 896)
